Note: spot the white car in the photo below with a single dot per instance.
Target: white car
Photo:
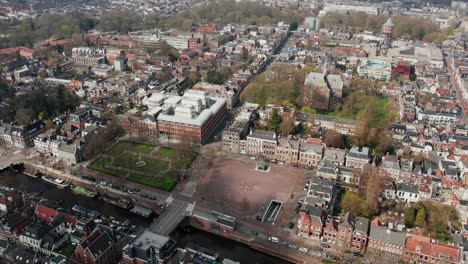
(273, 239)
(303, 250)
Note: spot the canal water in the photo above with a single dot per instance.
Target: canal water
(225, 247)
(67, 198)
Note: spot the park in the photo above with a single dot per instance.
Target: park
(154, 166)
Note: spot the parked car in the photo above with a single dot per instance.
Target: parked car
(89, 178)
(253, 233)
(325, 245)
(292, 245)
(303, 250)
(290, 225)
(273, 239)
(144, 195)
(103, 183)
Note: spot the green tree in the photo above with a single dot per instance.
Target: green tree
(24, 116)
(215, 77)
(410, 215)
(420, 219)
(353, 203)
(274, 122)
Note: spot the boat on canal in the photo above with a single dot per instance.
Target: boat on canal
(120, 202)
(143, 211)
(119, 220)
(58, 182)
(82, 190)
(31, 173)
(84, 211)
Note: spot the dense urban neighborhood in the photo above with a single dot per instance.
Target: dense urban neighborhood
(202, 131)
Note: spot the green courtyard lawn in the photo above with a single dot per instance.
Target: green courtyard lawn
(130, 146)
(99, 165)
(123, 157)
(67, 249)
(165, 182)
(129, 161)
(164, 152)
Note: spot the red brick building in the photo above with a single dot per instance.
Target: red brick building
(195, 117)
(311, 222)
(425, 250)
(102, 246)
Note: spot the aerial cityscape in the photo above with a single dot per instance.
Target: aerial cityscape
(233, 132)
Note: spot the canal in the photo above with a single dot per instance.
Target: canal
(66, 197)
(225, 247)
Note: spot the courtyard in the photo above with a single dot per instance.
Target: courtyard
(150, 165)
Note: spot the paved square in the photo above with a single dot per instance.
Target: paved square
(236, 184)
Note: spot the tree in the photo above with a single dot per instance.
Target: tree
(333, 139)
(384, 142)
(24, 116)
(410, 215)
(215, 77)
(353, 203)
(374, 188)
(274, 122)
(287, 126)
(420, 219)
(307, 110)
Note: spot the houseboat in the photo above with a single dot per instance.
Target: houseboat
(118, 220)
(120, 202)
(84, 211)
(59, 182)
(143, 211)
(81, 190)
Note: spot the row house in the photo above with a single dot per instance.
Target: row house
(260, 143)
(408, 192)
(103, 245)
(336, 156)
(10, 199)
(311, 222)
(148, 248)
(360, 234)
(348, 177)
(21, 136)
(390, 166)
(386, 243)
(287, 150)
(347, 232)
(321, 193)
(357, 157)
(310, 154)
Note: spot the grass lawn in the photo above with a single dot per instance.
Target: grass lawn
(98, 165)
(186, 162)
(67, 250)
(165, 152)
(333, 113)
(130, 146)
(128, 161)
(382, 103)
(327, 261)
(165, 182)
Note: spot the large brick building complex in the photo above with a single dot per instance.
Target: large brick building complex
(193, 116)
